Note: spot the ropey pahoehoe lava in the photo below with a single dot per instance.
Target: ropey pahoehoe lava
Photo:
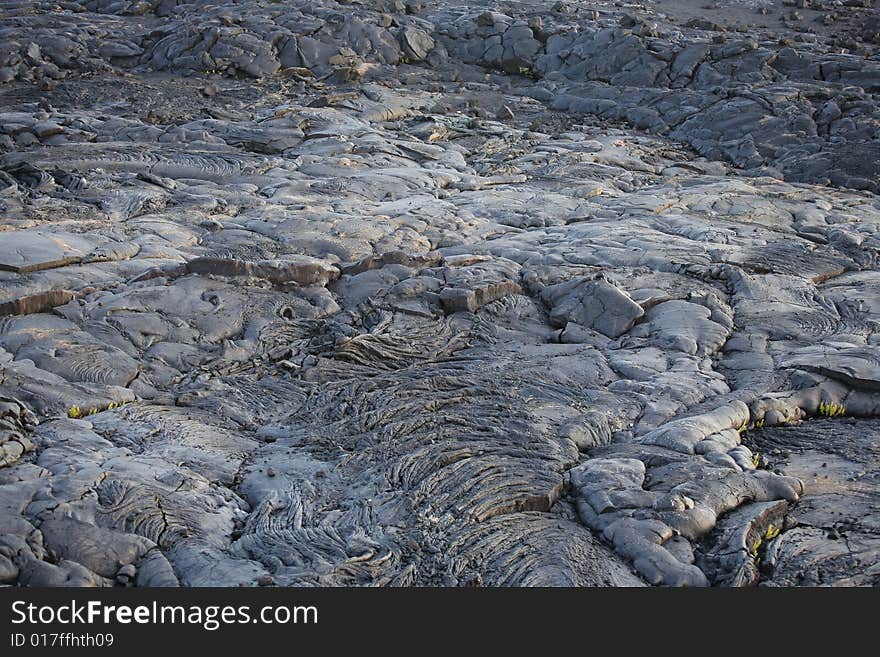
(389, 292)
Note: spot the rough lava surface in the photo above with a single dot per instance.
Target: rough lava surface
(386, 292)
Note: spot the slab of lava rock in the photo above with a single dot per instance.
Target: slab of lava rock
(402, 293)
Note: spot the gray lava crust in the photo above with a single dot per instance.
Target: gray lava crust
(383, 292)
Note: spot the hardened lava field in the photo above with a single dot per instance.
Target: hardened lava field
(382, 292)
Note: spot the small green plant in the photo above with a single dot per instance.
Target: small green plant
(755, 547)
(831, 409)
(756, 459)
(770, 533)
(75, 412)
(743, 426)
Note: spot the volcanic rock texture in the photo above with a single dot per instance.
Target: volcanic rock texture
(455, 293)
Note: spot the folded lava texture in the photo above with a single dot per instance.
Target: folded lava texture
(384, 292)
